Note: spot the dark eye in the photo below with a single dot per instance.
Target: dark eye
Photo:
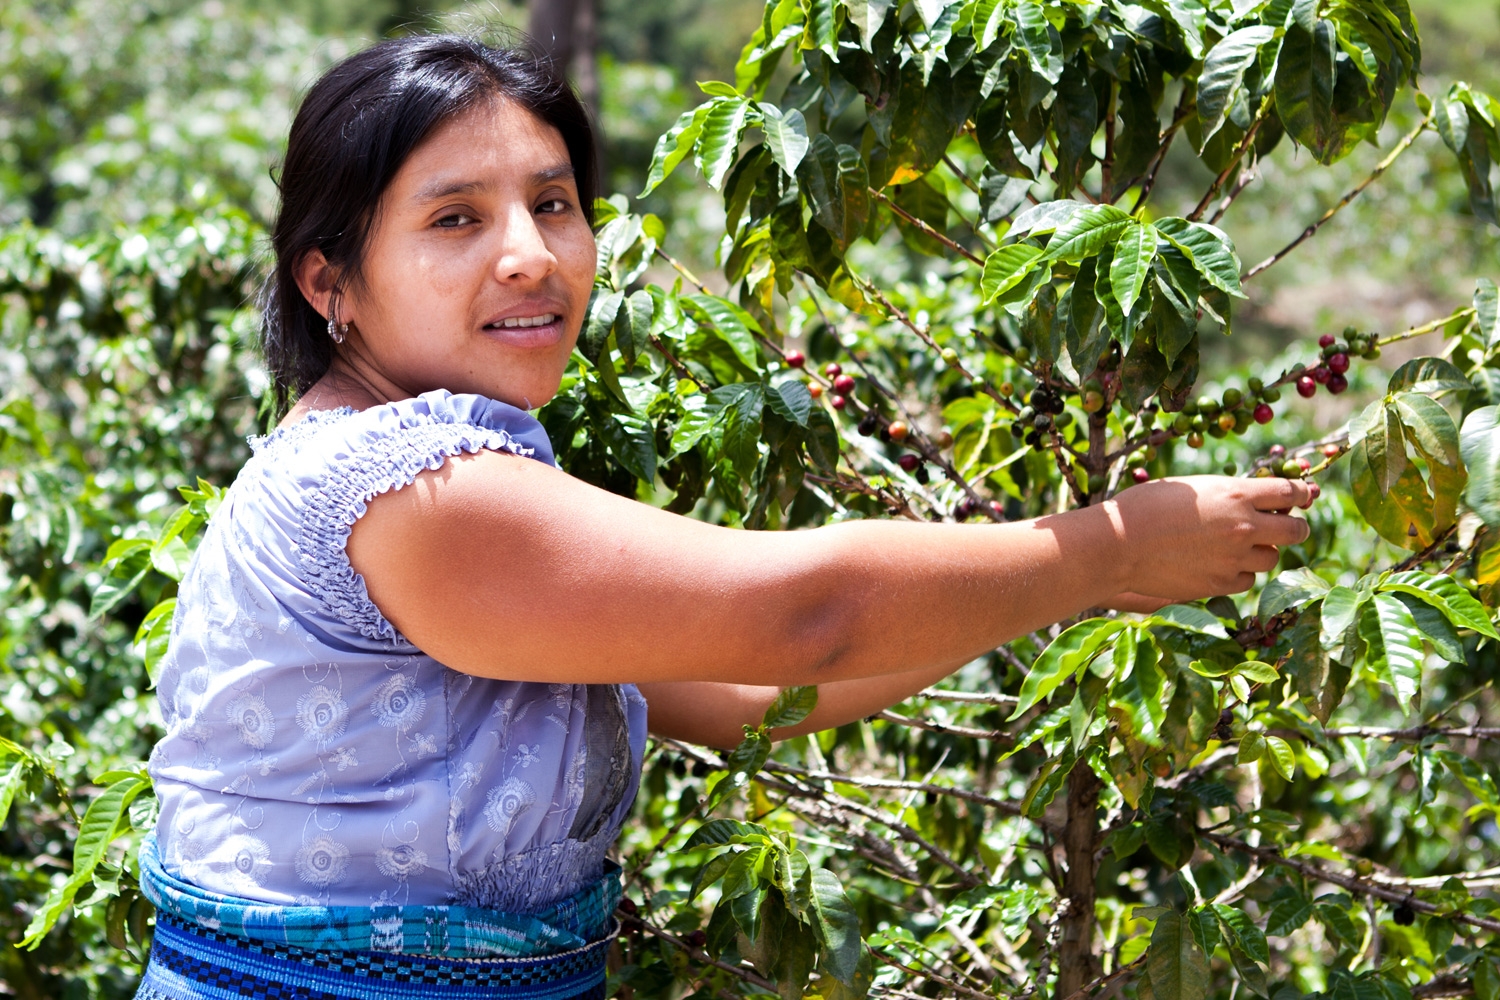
(454, 221)
(553, 206)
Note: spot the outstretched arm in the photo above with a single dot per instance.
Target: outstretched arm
(504, 567)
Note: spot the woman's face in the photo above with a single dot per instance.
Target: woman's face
(480, 264)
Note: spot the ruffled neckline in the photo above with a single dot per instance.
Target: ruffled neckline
(436, 407)
(313, 420)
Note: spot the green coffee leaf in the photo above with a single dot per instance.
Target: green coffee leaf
(1428, 375)
(1290, 589)
(674, 146)
(1210, 250)
(1395, 650)
(1176, 964)
(867, 16)
(1340, 607)
(1006, 268)
(126, 563)
(713, 870)
(733, 325)
(791, 706)
(1132, 263)
(718, 832)
(1039, 40)
(837, 924)
(1260, 673)
(1223, 74)
(1289, 911)
(790, 399)
(1087, 232)
(1487, 312)
(1479, 444)
(786, 134)
(1190, 618)
(1281, 756)
(1434, 627)
(1447, 595)
(106, 819)
(1064, 657)
(1252, 748)
(719, 141)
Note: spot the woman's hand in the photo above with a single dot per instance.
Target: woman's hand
(1199, 536)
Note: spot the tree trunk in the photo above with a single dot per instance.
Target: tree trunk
(567, 31)
(553, 28)
(1077, 964)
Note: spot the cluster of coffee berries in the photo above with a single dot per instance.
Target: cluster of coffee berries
(1044, 412)
(1336, 352)
(1231, 414)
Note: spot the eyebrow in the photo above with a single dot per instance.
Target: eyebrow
(447, 189)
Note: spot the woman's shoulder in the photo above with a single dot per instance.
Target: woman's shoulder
(431, 426)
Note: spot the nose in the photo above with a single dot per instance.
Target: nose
(523, 254)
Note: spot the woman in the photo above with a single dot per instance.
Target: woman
(413, 664)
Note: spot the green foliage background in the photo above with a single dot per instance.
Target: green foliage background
(1302, 846)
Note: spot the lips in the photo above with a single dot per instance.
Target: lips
(530, 324)
(524, 322)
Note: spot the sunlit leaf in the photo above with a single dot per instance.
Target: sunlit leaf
(1223, 73)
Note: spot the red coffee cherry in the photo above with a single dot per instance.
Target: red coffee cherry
(1306, 387)
(795, 359)
(839, 402)
(1276, 450)
(1338, 364)
(844, 384)
(909, 462)
(1263, 413)
(832, 369)
(1327, 340)
(1321, 374)
(1140, 475)
(1337, 384)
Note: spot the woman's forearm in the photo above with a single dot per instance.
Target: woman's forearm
(907, 597)
(714, 714)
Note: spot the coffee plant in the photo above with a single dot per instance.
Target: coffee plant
(945, 292)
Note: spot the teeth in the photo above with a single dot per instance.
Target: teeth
(516, 322)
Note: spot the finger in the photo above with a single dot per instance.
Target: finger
(1278, 494)
(1242, 583)
(1263, 558)
(1281, 529)
(1139, 604)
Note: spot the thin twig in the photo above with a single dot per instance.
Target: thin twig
(1234, 161)
(1363, 887)
(912, 220)
(1354, 192)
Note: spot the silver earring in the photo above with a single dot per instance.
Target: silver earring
(337, 330)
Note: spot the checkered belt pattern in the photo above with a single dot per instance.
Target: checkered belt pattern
(195, 963)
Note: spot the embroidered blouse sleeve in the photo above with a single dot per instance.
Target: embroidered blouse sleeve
(386, 448)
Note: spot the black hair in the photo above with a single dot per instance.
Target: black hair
(354, 130)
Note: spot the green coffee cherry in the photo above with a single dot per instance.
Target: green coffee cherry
(1232, 398)
(1097, 483)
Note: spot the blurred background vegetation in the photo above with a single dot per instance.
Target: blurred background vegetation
(138, 146)
(114, 110)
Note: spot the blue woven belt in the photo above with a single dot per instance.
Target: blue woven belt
(212, 947)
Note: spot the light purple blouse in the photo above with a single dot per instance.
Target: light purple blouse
(314, 756)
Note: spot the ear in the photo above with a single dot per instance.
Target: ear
(315, 280)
